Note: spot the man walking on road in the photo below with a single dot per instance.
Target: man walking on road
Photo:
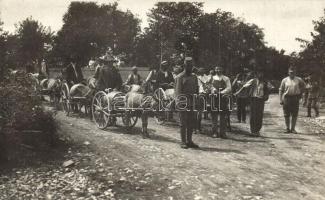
(186, 89)
(290, 92)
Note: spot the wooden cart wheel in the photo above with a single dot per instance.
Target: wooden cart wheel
(100, 112)
(128, 120)
(65, 99)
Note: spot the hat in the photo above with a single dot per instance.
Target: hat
(134, 68)
(188, 59)
(164, 62)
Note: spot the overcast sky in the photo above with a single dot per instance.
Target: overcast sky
(282, 20)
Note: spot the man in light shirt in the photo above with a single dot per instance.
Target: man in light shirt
(290, 92)
(258, 93)
(221, 86)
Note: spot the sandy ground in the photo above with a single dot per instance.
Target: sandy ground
(117, 164)
(273, 166)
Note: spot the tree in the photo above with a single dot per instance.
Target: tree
(172, 27)
(89, 30)
(228, 41)
(311, 60)
(2, 50)
(32, 36)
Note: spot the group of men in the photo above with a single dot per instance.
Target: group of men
(249, 88)
(188, 84)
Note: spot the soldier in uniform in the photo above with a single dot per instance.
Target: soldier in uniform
(186, 89)
(290, 92)
(134, 78)
(219, 105)
(107, 76)
(242, 97)
(151, 80)
(313, 97)
(165, 77)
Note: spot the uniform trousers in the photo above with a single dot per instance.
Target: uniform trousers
(220, 130)
(241, 108)
(312, 103)
(187, 124)
(256, 114)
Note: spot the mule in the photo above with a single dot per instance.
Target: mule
(142, 104)
(52, 88)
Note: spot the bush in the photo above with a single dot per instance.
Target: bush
(22, 117)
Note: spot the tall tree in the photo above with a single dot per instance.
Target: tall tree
(32, 36)
(172, 27)
(89, 30)
(312, 58)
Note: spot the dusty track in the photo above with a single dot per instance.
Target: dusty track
(274, 166)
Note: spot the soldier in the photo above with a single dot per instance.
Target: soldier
(313, 96)
(43, 71)
(290, 92)
(242, 97)
(165, 78)
(258, 93)
(219, 107)
(107, 76)
(151, 79)
(203, 80)
(134, 78)
(186, 89)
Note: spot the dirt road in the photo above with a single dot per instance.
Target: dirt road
(274, 166)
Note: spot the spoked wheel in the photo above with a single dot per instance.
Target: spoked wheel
(160, 117)
(65, 99)
(128, 120)
(100, 110)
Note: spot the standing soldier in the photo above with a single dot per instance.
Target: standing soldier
(221, 88)
(290, 92)
(151, 80)
(313, 96)
(186, 89)
(203, 81)
(258, 93)
(134, 78)
(107, 76)
(242, 97)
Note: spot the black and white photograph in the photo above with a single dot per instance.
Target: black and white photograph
(162, 100)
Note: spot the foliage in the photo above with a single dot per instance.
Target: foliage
(311, 60)
(89, 30)
(2, 50)
(218, 38)
(20, 110)
(171, 27)
(32, 36)
(228, 41)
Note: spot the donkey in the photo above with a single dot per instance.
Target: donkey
(143, 103)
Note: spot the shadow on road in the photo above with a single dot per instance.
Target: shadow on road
(213, 149)
(285, 138)
(164, 139)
